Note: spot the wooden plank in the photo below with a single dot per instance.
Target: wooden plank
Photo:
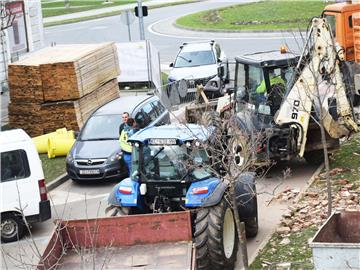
(64, 72)
(37, 119)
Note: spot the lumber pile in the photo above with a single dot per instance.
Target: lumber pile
(61, 86)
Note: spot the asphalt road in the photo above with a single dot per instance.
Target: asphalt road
(75, 201)
(167, 39)
(89, 200)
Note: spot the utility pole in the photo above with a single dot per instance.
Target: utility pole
(128, 23)
(141, 20)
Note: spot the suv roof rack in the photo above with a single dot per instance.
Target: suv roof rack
(201, 41)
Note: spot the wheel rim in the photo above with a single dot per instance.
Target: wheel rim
(238, 153)
(8, 228)
(228, 233)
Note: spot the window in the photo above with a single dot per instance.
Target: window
(14, 165)
(255, 79)
(150, 110)
(332, 21)
(158, 106)
(142, 118)
(102, 127)
(196, 58)
(350, 22)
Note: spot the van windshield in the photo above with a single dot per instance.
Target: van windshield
(101, 127)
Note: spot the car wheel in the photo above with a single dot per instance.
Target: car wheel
(12, 227)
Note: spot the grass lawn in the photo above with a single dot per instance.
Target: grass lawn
(265, 15)
(346, 160)
(55, 8)
(52, 168)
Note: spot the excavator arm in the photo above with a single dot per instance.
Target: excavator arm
(319, 81)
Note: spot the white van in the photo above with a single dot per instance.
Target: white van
(22, 185)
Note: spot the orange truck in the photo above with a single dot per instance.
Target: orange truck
(344, 20)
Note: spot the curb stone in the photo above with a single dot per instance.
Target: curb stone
(57, 182)
(233, 31)
(296, 200)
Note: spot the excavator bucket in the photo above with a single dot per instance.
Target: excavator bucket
(152, 241)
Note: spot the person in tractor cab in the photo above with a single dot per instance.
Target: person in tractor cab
(277, 85)
(129, 129)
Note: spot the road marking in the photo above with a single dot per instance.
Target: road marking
(98, 27)
(55, 30)
(150, 28)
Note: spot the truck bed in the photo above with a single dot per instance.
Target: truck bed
(153, 256)
(152, 241)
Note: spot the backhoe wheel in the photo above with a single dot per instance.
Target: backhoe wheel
(315, 157)
(215, 237)
(12, 227)
(238, 150)
(116, 211)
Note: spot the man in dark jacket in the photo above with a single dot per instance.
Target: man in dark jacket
(125, 118)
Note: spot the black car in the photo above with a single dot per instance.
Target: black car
(96, 153)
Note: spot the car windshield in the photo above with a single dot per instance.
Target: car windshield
(192, 59)
(172, 162)
(101, 127)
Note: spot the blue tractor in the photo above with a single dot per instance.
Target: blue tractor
(171, 171)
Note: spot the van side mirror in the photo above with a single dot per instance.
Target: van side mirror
(171, 65)
(76, 134)
(221, 71)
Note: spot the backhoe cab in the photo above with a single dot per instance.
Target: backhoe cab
(261, 80)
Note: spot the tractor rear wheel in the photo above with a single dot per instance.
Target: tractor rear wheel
(215, 237)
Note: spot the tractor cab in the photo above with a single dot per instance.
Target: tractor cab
(168, 162)
(262, 79)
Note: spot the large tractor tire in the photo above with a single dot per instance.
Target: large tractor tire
(215, 237)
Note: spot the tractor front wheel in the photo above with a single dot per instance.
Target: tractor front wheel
(215, 237)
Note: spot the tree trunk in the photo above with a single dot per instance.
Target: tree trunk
(240, 229)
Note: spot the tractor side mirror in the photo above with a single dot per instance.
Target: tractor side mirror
(171, 65)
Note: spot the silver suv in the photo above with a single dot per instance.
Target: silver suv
(201, 63)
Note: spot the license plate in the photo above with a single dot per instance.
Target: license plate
(89, 171)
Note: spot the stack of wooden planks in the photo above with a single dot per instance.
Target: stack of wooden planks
(61, 86)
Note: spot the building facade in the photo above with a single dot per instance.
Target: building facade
(22, 32)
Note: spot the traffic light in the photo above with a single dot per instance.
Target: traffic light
(144, 11)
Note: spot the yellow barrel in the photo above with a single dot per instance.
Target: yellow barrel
(59, 146)
(41, 142)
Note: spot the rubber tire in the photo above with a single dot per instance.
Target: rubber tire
(208, 238)
(315, 157)
(251, 227)
(20, 227)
